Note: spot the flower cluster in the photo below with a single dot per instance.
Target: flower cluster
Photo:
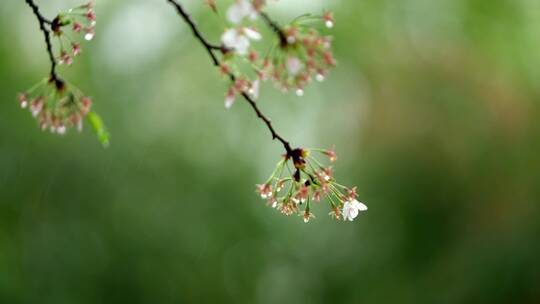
(299, 55)
(55, 103)
(294, 189)
(56, 107)
(80, 20)
(303, 54)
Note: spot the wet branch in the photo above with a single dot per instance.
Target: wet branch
(275, 27)
(43, 22)
(210, 48)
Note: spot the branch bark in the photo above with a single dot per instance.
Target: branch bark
(275, 27)
(43, 22)
(210, 48)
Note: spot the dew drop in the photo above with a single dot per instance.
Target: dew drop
(329, 24)
(89, 36)
(299, 92)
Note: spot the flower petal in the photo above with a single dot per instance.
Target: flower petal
(362, 207)
(252, 34)
(254, 91)
(242, 45)
(358, 205)
(294, 65)
(229, 100)
(229, 38)
(235, 13)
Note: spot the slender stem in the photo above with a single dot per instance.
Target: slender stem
(47, 34)
(210, 48)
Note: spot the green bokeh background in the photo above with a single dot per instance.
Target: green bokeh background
(433, 110)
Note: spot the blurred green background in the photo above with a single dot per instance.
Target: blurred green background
(433, 110)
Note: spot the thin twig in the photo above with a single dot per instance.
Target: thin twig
(210, 49)
(275, 27)
(47, 34)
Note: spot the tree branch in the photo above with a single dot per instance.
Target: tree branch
(210, 49)
(275, 27)
(59, 83)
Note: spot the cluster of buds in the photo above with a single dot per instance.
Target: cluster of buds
(56, 105)
(300, 55)
(303, 54)
(80, 20)
(241, 86)
(294, 189)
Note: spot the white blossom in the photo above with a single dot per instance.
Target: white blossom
(294, 65)
(352, 208)
(251, 33)
(240, 10)
(238, 39)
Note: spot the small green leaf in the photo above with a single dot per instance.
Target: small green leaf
(99, 128)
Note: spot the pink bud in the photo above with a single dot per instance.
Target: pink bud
(329, 59)
(86, 104)
(328, 18)
(77, 27)
(75, 48)
(23, 100)
(36, 106)
(90, 15)
(229, 98)
(65, 58)
(252, 56)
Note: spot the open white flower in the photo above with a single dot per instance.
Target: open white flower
(352, 208)
(237, 39)
(240, 10)
(294, 65)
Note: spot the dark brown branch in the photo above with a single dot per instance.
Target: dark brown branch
(59, 83)
(275, 27)
(210, 49)
(187, 18)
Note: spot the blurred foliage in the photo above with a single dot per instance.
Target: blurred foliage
(433, 109)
